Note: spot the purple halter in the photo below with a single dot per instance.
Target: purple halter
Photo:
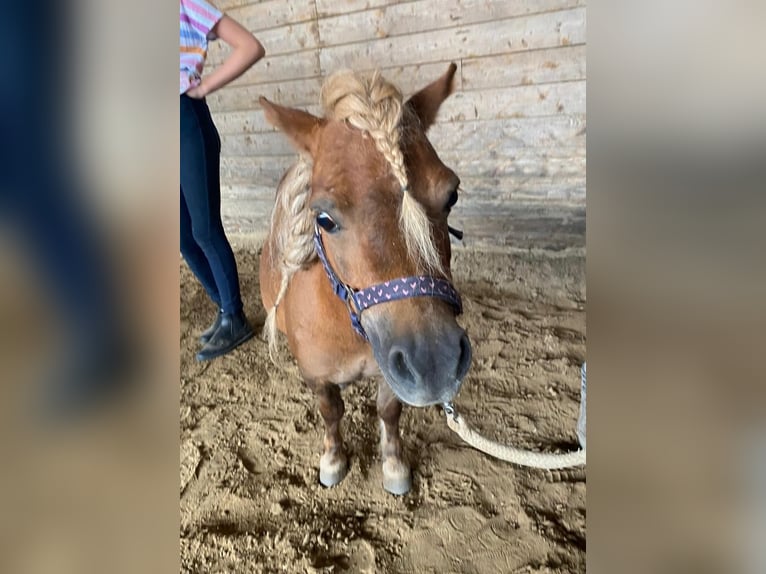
(357, 300)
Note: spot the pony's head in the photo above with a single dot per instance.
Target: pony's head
(381, 196)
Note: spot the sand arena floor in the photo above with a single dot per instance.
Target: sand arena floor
(251, 439)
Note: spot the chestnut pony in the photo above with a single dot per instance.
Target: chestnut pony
(361, 215)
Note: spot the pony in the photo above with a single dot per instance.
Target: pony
(355, 270)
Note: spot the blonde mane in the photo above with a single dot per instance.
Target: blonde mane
(374, 105)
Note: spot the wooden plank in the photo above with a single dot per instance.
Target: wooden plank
(524, 68)
(217, 50)
(251, 145)
(283, 40)
(491, 38)
(246, 208)
(513, 188)
(527, 162)
(534, 162)
(411, 78)
(264, 15)
(241, 122)
(515, 102)
(534, 224)
(425, 15)
(249, 121)
(279, 68)
(225, 5)
(519, 154)
(326, 8)
(289, 38)
(263, 170)
(503, 136)
(302, 93)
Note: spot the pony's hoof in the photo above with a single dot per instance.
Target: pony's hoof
(332, 469)
(397, 478)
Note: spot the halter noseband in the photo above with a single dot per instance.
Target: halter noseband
(357, 300)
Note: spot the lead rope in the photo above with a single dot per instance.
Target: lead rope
(515, 455)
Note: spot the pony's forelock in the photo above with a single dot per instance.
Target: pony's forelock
(373, 104)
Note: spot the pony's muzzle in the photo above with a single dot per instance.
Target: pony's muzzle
(423, 372)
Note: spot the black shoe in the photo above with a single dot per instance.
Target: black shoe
(207, 333)
(232, 332)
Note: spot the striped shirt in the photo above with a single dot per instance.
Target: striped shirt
(197, 21)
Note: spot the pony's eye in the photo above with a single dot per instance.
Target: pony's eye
(451, 201)
(326, 222)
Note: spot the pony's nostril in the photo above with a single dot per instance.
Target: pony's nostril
(398, 364)
(464, 362)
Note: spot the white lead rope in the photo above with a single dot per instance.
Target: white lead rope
(508, 453)
(518, 456)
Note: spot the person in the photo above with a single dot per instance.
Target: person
(43, 203)
(203, 242)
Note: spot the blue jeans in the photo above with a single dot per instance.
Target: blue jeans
(203, 241)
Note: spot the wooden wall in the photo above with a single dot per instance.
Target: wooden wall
(514, 131)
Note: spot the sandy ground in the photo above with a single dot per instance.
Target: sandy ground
(251, 439)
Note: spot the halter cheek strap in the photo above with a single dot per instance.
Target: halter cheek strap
(357, 300)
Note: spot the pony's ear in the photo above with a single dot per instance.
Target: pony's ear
(427, 101)
(301, 127)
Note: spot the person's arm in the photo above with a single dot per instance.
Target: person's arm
(246, 51)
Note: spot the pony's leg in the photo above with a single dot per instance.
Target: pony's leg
(333, 464)
(396, 472)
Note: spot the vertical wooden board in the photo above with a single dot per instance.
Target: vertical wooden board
(425, 15)
(273, 14)
(525, 68)
(302, 93)
(499, 37)
(515, 102)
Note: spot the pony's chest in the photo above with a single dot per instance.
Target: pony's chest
(355, 368)
(336, 367)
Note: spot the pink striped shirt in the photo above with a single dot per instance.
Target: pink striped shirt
(197, 21)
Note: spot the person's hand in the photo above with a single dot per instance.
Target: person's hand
(198, 92)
